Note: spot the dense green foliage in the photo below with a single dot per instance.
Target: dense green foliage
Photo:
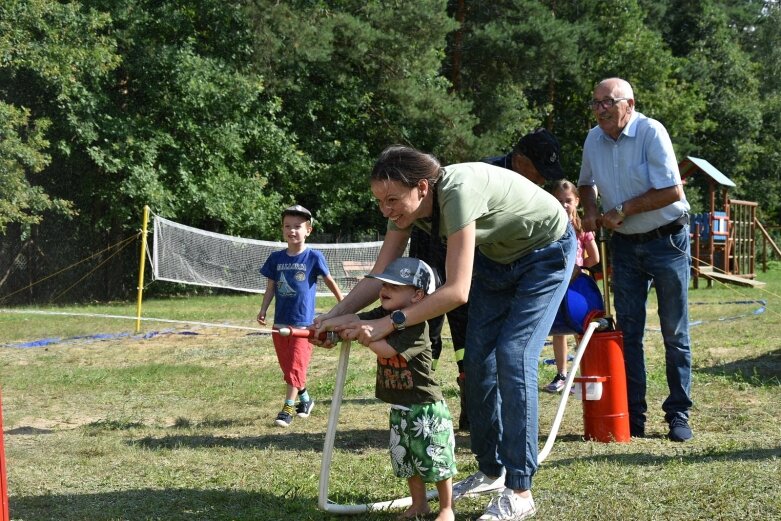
(218, 113)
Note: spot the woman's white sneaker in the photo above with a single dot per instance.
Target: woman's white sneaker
(509, 506)
(477, 484)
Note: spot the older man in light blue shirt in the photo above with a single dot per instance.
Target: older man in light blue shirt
(629, 159)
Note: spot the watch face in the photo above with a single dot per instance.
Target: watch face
(398, 318)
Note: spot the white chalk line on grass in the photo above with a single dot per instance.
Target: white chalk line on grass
(147, 319)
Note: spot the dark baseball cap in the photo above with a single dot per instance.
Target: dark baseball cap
(542, 148)
(408, 271)
(298, 210)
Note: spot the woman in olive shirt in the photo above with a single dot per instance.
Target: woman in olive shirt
(510, 252)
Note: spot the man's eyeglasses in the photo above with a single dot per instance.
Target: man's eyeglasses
(608, 103)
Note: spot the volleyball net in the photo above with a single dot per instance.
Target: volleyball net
(187, 255)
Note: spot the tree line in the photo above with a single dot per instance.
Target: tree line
(217, 113)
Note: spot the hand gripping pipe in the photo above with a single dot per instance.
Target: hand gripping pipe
(333, 419)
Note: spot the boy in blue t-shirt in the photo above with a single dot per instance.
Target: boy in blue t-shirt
(292, 278)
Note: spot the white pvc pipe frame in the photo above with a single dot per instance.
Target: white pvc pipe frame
(333, 418)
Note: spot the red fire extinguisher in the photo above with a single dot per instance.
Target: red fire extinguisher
(602, 381)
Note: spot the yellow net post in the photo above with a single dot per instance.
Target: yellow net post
(141, 264)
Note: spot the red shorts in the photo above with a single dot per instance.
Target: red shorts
(293, 354)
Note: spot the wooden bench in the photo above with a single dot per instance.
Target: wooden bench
(356, 269)
(353, 272)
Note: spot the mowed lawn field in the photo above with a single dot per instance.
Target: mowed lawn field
(176, 422)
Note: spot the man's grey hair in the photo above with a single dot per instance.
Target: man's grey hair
(620, 87)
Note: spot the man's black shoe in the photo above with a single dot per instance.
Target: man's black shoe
(679, 429)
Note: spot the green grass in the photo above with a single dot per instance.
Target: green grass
(179, 426)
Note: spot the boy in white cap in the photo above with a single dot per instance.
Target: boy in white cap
(422, 442)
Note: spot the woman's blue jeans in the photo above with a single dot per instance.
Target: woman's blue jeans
(511, 310)
(665, 261)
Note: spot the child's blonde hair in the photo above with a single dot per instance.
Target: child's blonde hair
(562, 186)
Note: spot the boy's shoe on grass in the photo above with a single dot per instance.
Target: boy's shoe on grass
(476, 484)
(556, 385)
(285, 416)
(508, 506)
(304, 409)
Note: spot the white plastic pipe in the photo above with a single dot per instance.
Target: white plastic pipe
(554, 430)
(333, 418)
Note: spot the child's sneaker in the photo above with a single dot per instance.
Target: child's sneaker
(556, 385)
(285, 416)
(303, 409)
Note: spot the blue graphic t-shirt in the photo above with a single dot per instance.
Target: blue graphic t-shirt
(296, 281)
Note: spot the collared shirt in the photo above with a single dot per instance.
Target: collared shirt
(640, 159)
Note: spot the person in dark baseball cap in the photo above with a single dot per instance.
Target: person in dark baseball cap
(535, 156)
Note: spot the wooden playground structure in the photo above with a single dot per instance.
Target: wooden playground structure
(723, 239)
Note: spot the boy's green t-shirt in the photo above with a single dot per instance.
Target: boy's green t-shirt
(512, 215)
(406, 378)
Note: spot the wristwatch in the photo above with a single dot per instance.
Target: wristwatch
(620, 210)
(399, 320)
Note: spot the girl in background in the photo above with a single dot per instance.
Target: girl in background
(586, 257)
